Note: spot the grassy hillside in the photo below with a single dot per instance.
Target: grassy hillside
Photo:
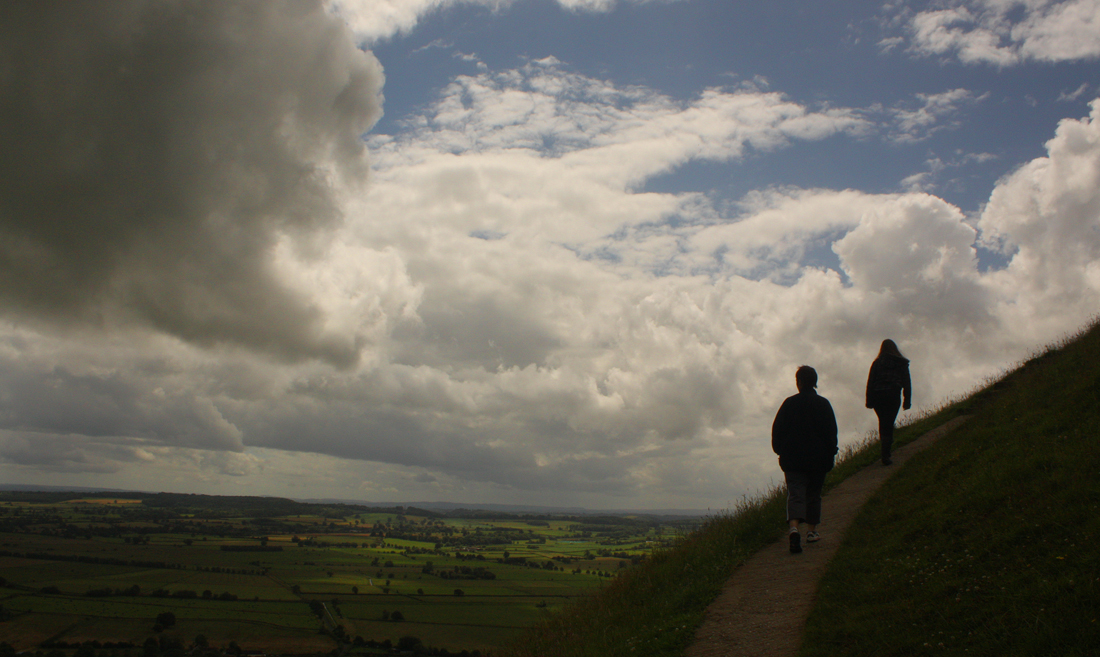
(989, 543)
(985, 544)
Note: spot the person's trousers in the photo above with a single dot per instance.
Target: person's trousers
(886, 408)
(804, 496)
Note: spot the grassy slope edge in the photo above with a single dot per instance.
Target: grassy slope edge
(985, 544)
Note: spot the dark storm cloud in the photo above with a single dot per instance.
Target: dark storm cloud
(154, 153)
(108, 405)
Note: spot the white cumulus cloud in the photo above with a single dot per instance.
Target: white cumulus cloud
(504, 310)
(1006, 33)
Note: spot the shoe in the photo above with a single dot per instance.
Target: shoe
(813, 537)
(887, 461)
(796, 542)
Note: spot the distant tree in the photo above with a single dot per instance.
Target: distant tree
(201, 641)
(166, 619)
(397, 616)
(150, 648)
(408, 644)
(355, 590)
(459, 592)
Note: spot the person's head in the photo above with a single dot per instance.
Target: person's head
(888, 348)
(805, 378)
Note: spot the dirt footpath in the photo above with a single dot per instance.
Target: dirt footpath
(762, 610)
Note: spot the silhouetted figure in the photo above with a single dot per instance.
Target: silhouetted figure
(887, 383)
(804, 437)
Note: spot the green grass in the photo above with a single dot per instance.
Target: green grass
(274, 588)
(985, 544)
(143, 610)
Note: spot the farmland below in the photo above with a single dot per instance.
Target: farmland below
(148, 574)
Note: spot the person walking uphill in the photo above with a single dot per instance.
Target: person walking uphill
(804, 436)
(886, 382)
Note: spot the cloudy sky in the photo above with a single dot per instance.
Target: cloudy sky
(547, 252)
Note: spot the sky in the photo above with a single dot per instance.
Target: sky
(534, 252)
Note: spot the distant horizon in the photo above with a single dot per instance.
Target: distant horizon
(427, 506)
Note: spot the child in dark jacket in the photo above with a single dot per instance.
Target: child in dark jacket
(804, 435)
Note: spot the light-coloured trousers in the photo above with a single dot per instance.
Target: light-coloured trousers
(804, 496)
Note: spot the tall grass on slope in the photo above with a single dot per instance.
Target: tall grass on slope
(655, 608)
(989, 542)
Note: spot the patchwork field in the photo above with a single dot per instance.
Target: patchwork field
(287, 578)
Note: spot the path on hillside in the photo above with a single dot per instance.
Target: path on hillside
(762, 610)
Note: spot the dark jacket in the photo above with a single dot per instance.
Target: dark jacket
(804, 433)
(888, 376)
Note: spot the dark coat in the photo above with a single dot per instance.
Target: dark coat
(889, 375)
(804, 433)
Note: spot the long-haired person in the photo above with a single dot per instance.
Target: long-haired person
(888, 387)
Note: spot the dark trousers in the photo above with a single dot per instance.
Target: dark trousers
(886, 407)
(804, 495)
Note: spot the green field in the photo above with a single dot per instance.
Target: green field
(286, 578)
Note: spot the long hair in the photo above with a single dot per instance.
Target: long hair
(888, 348)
